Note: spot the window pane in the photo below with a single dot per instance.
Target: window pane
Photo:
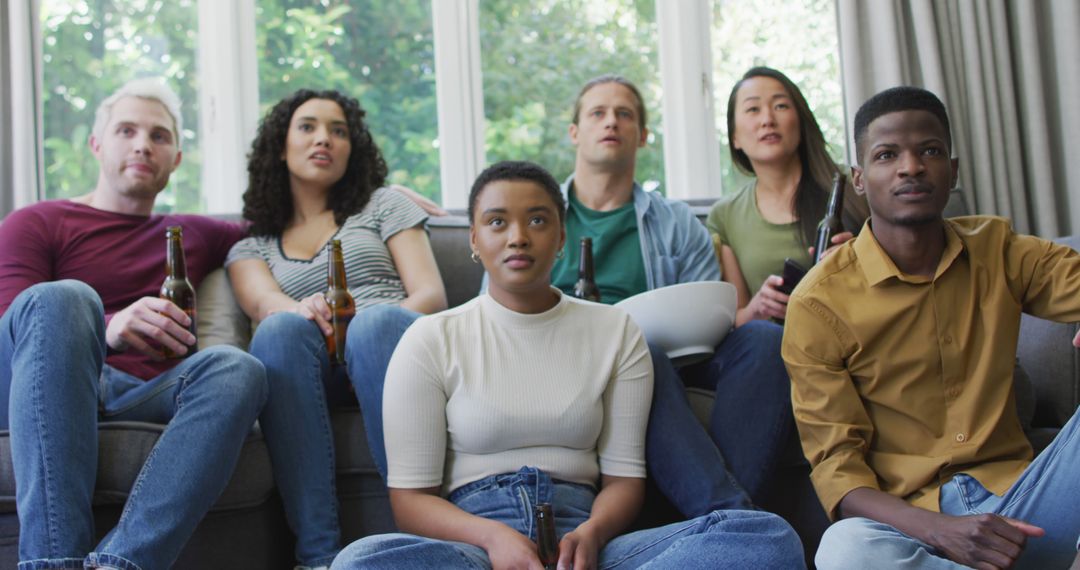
(797, 37)
(90, 49)
(378, 51)
(538, 53)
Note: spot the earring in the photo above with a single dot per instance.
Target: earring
(474, 257)
(561, 254)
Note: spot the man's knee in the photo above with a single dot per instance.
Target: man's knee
(234, 375)
(854, 543)
(64, 299)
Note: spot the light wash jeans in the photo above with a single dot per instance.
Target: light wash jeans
(1046, 495)
(721, 539)
(750, 425)
(296, 420)
(56, 388)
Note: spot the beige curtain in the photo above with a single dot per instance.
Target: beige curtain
(1009, 75)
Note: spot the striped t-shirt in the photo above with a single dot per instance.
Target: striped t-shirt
(372, 277)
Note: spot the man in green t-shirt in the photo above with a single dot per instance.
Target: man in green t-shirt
(643, 241)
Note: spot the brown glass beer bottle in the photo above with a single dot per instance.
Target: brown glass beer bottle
(176, 287)
(342, 306)
(547, 544)
(832, 223)
(586, 288)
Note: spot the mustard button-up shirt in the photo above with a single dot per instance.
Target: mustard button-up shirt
(900, 382)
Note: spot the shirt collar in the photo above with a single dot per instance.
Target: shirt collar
(877, 266)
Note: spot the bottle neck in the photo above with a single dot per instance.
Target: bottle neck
(175, 265)
(585, 261)
(335, 276)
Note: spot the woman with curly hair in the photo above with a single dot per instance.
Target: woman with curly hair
(315, 174)
(773, 136)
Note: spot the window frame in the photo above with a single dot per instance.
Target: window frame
(229, 98)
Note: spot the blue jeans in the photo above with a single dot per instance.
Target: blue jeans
(296, 420)
(56, 389)
(721, 539)
(373, 335)
(750, 425)
(1044, 495)
(296, 425)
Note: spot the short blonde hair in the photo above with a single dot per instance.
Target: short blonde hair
(150, 88)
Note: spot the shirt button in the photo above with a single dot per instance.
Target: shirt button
(947, 339)
(961, 438)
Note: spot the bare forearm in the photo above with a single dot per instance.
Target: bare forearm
(984, 540)
(743, 316)
(426, 301)
(615, 507)
(432, 516)
(882, 507)
(272, 302)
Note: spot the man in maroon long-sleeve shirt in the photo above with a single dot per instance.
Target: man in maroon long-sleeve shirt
(81, 333)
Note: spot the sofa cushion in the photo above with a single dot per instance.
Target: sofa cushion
(220, 318)
(122, 450)
(450, 242)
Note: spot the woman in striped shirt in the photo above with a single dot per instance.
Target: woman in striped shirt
(315, 174)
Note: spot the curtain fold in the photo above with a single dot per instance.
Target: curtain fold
(1006, 70)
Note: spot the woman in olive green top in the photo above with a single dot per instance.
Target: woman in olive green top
(774, 137)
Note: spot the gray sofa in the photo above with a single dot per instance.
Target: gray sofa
(247, 529)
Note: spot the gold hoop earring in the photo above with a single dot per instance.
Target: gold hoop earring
(474, 257)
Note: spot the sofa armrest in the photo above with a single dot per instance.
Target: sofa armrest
(1046, 352)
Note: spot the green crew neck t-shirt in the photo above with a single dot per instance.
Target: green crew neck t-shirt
(618, 267)
(760, 246)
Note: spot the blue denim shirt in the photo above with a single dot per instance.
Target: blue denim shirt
(676, 247)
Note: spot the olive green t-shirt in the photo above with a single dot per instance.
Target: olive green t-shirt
(618, 267)
(760, 246)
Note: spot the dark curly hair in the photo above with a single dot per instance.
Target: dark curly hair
(268, 202)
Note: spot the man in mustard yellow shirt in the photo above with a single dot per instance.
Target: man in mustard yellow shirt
(900, 348)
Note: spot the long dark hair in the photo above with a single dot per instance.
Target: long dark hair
(818, 168)
(268, 202)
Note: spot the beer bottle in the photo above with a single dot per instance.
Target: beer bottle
(586, 288)
(176, 287)
(832, 223)
(342, 306)
(547, 544)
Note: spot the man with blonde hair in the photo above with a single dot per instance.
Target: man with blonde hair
(82, 339)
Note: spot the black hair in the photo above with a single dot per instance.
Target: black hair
(903, 98)
(518, 170)
(611, 78)
(268, 202)
(818, 168)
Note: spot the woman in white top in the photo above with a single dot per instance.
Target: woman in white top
(524, 396)
(315, 173)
